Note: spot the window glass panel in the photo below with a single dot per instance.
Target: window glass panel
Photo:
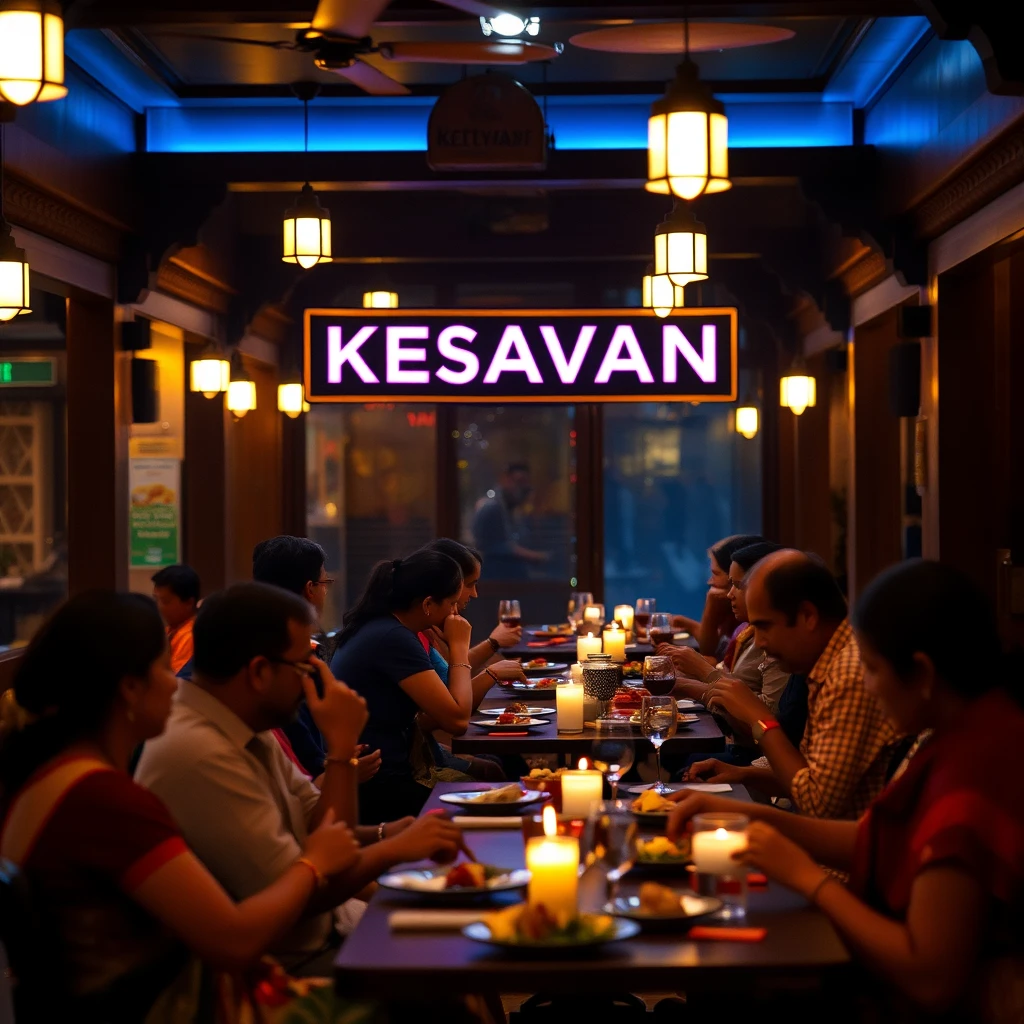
(677, 478)
(370, 490)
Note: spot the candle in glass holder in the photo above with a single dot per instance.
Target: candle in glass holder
(615, 643)
(553, 862)
(713, 850)
(587, 645)
(581, 790)
(593, 617)
(576, 673)
(569, 707)
(624, 616)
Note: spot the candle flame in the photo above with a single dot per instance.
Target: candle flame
(583, 765)
(550, 821)
(720, 833)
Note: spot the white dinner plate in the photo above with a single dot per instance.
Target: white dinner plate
(432, 881)
(463, 800)
(495, 726)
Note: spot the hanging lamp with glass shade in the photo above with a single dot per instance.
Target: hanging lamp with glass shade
(241, 389)
(747, 418)
(31, 51)
(14, 286)
(681, 247)
(307, 225)
(290, 399)
(687, 136)
(210, 374)
(660, 294)
(798, 391)
(380, 300)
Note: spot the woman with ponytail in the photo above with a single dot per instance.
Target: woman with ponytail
(381, 657)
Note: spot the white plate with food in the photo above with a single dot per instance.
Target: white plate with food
(518, 707)
(510, 799)
(542, 667)
(465, 879)
(508, 723)
(545, 683)
(660, 904)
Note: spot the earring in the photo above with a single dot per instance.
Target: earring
(131, 715)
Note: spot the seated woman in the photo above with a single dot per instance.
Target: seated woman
(381, 657)
(937, 862)
(717, 624)
(130, 905)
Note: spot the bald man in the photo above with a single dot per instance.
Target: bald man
(799, 618)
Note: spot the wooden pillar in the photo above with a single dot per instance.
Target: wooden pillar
(98, 420)
(813, 500)
(590, 499)
(293, 475)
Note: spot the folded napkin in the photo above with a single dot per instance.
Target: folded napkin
(431, 920)
(551, 642)
(708, 787)
(471, 821)
(699, 932)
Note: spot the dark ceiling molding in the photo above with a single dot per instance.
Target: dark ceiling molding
(176, 277)
(867, 270)
(29, 206)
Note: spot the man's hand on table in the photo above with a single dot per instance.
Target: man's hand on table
(737, 701)
(715, 771)
(430, 836)
(340, 714)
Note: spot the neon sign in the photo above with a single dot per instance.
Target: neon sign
(563, 355)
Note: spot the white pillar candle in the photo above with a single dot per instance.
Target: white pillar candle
(713, 851)
(624, 616)
(615, 644)
(580, 791)
(586, 645)
(576, 673)
(553, 862)
(569, 707)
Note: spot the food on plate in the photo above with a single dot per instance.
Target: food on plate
(546, 773)
(650, 802)
(502, 795)
(658, 899)
(536, 663)
(547, 682)
(511, 718)
(517, 707)
(558, 629)
(633, 670)
(466, 876)
(661, 850)
(523, 923)
(629, 697)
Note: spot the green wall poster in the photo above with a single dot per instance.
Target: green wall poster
(154, 513)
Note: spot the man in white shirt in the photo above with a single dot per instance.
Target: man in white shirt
(242, 804)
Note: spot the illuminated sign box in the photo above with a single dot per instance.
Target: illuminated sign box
(558, 355)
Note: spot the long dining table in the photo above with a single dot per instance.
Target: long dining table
(800, 945)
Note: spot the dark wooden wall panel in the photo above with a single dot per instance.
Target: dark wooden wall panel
(813, 506)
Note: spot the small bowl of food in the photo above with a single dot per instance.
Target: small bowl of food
(546, 780)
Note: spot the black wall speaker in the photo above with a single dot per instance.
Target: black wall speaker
(914, 322)
(905, 378)
(145, 396)
(135, 335)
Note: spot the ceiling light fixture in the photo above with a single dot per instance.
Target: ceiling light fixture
(31, 51)
(681, 247)
(660, 294)
(307, 225)
(241, 388)
(14, 288)
(380, 300)
(509, 25)
(687, 136)
(797, 391)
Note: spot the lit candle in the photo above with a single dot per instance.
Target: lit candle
(593, 613)
(713, 851)
(586, 645)
(624, 616)
(553, 862)
(615, 643)
(569, 707)
(580, 791)
(576, 673)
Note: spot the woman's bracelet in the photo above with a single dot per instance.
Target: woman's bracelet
(461, 664)
(380, 832)
(352, 762)
(492, 675)
(318, 875)
(495, 646)
(822, 882)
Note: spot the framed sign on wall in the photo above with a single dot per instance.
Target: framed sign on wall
(552, 355)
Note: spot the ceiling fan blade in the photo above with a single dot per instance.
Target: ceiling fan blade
(370, 80)
(349, 18)
(484, 51)
(277, 44)
(476, 8)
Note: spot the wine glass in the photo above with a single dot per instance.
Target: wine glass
(509, 613)
(658, 720)
(578, 599)
(612, 751)
(609, 841)
(659, 674)
(645, 607)
(660, 629)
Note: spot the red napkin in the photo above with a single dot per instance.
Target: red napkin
(549, 643)
(756, 878)
(699, 932)
(508, 734)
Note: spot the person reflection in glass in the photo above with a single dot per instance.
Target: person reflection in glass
(496, 531)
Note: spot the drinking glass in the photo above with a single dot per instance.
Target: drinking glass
(716, 839)
(592, 619)
(509, 613)
(645, 607)
(660, 629)
(578, 599)
(612, 751)
(659, 674)
(658, 720)
(609, 841)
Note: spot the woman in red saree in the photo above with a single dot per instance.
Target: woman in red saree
(937, 863)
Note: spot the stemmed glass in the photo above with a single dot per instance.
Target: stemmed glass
(609, 841)
(645, 607)
(612, 751)
(660, 630)
(658, 720)
(578, 599)
(509, 613)
(659, 674)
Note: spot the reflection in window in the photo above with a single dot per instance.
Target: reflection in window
(677, 478)
(370, 489)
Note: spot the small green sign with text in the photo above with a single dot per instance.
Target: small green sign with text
(154, 513)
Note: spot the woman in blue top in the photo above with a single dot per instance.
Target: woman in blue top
(381, 657)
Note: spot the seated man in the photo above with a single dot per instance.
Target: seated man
(176, 592)
(244, 808)
(799, 618)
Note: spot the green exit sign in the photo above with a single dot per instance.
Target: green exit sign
(27, 373)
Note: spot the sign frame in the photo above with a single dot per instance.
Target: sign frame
(632, 312)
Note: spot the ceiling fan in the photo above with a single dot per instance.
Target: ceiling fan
(338, 39)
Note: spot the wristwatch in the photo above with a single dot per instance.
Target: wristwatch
(761, 726)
